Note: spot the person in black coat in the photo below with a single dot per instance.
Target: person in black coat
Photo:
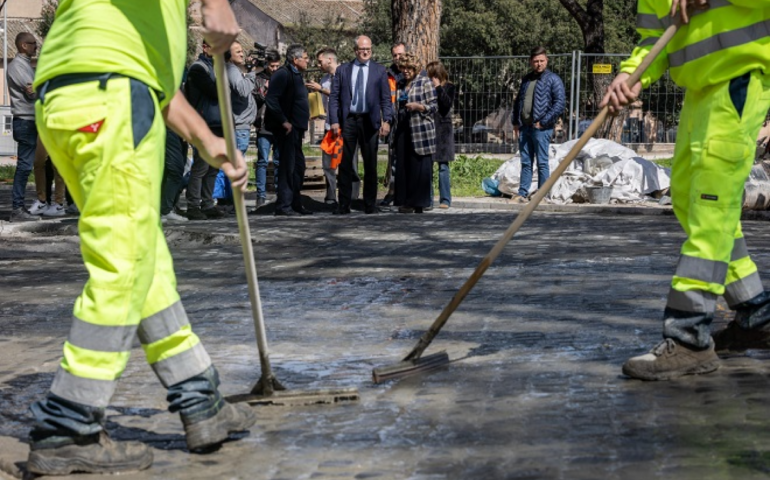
(287, 115)
(445, 140)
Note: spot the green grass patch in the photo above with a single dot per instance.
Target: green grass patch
(664, 162)
(311, 150)
(466, 174)
(6, 173)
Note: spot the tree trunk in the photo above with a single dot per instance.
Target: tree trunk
(416, 23)
(591, 22)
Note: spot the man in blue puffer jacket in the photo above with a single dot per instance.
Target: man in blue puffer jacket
(538, 106)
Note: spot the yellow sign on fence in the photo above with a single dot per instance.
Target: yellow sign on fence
(602, 68)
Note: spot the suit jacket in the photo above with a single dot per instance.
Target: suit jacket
(377, 95)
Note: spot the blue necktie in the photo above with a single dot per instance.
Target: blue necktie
(358, 95)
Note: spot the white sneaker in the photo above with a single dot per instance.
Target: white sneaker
(172, 216)
(54, 210)
(72, 209)
(38, 207)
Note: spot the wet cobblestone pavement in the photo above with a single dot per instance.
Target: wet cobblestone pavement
(534, 391)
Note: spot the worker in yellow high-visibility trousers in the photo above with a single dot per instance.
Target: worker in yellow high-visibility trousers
(721, 55)
(107, 79)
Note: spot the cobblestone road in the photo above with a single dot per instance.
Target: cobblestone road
(535, 391)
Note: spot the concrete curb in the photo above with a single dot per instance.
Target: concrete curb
(196, 232)
(503, 204)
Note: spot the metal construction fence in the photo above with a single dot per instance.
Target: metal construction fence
(487, 88)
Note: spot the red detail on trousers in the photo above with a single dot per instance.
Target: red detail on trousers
(93, 128)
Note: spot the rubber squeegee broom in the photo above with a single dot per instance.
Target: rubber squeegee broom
(268, 390)
(414, 362)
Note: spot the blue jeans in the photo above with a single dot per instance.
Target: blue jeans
(25, 134)
(222, 188)
(533, 142)
(264, 143)
(444, 185)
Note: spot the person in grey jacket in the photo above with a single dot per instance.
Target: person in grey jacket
(20, 77)
(327, 63)
(244, 113)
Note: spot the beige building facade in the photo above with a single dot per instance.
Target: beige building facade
(24, 8)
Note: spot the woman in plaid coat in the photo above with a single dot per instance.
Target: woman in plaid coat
(415, 137)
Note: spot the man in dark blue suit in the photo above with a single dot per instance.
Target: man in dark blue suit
(360, 109)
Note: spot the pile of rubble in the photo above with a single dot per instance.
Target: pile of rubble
(607, 172)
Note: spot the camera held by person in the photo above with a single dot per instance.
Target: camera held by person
(256, 59)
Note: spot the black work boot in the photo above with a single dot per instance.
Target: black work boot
(207, 418)
(195, 213)
(96, 453)
(750, 329)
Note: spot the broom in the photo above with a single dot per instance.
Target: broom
(414, 362)
(268, 390)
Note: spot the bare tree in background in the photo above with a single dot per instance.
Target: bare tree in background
(416, 23)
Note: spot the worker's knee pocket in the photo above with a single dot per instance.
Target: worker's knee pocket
(720, 169)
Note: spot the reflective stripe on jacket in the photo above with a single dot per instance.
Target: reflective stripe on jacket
(726, 41)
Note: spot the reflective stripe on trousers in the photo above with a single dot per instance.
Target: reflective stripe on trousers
(114, 171)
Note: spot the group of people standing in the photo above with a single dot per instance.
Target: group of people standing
(407, 103)
(366, 102)
(208, 189)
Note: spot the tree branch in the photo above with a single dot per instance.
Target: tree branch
(577, 12)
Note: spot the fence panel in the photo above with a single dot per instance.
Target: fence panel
(653, 119)
(487, 88)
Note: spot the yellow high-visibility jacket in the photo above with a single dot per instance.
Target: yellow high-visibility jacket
(729, 39)
(144, 40)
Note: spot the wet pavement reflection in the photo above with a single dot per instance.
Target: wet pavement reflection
(534, 390)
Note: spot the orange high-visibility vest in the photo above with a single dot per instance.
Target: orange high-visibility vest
(393, 88)
(332, 145)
